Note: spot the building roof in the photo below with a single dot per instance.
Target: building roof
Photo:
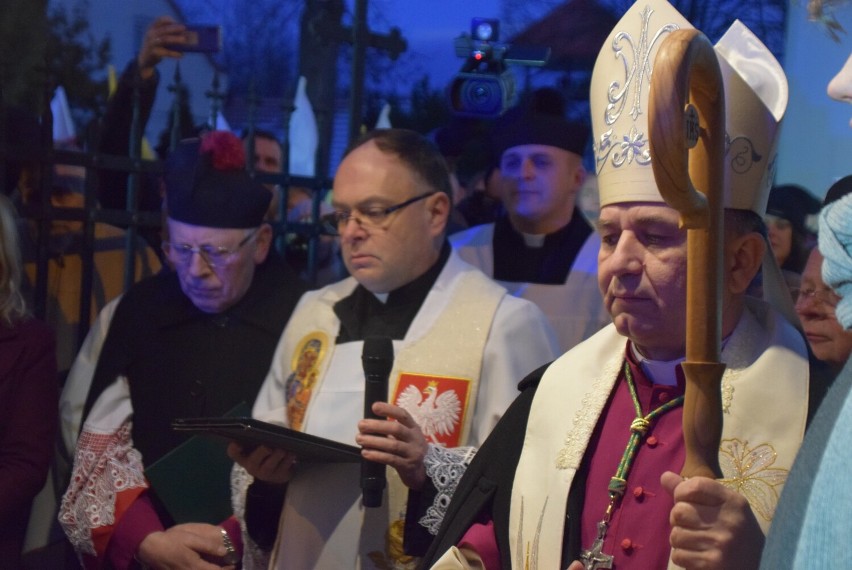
(574, 31)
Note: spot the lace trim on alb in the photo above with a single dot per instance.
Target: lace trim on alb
(105, 465)
(445, 468)
(254, 557)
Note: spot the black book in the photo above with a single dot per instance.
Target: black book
(251, 432)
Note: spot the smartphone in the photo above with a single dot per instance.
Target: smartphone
(201, 39)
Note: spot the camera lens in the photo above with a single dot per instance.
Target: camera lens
(480, 95)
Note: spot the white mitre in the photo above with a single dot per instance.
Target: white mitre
(755, 95)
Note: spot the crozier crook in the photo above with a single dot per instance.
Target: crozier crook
(687, 144)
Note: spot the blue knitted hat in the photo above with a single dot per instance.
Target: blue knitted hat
(835, 244)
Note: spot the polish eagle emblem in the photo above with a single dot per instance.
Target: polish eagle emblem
(437, 413)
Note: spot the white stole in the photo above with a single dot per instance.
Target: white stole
(323, 524)
(764, 396)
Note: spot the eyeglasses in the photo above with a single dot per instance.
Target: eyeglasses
(214, 256)
(369, 218)
(825, 297)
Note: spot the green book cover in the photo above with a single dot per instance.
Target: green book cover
(193, 481)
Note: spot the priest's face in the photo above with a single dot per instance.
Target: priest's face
(840, 87)
(386, 250)
(540, 186)
(642, 276)
(215, 283)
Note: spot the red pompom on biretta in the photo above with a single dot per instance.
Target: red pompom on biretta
(207, 184)
(225, 149)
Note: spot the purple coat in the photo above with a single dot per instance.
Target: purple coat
(29, 418)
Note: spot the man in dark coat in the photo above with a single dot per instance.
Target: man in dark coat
(193, 342)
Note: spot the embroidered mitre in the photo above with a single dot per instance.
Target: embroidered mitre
(756, 96)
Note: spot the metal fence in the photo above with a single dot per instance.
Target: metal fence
(39, 215)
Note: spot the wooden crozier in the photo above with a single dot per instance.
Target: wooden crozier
(687, 144)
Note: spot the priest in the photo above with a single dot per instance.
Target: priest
(192, 342)
(541, 248)
(460, 341)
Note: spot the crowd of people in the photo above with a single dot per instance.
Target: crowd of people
(541, 403)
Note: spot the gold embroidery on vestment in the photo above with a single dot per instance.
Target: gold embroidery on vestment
(749, 471)
(586, 418)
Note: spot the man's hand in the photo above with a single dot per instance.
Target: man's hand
(163, 32)
(264, 463)
(712, 525)
(192, 546)
(399, 444)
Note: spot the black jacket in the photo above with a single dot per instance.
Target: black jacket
(182, 362)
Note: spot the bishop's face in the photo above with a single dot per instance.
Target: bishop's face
(642, 276)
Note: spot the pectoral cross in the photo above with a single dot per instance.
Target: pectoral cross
(593, 558)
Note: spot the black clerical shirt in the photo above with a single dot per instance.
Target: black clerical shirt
(361, 314)
(515, 261)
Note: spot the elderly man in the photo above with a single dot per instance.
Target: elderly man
(597, 434)
(193, 342)
(829, 341)
(459, 338)
(542, 248)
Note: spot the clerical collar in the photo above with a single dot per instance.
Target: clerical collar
(658, 371)
(528, 258)
(364, 314)
(662, 371)
(534, 240)
(416, 290)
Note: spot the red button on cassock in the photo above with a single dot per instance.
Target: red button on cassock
(651, 441)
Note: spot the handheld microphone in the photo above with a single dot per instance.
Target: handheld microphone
(377, 360)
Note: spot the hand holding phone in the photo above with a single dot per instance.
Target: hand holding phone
(163, 32)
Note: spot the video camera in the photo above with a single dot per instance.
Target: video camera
(485, 87)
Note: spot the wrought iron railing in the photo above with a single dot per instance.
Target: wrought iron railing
(39, 215)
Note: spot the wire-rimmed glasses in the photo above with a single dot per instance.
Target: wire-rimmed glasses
(213, 255)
